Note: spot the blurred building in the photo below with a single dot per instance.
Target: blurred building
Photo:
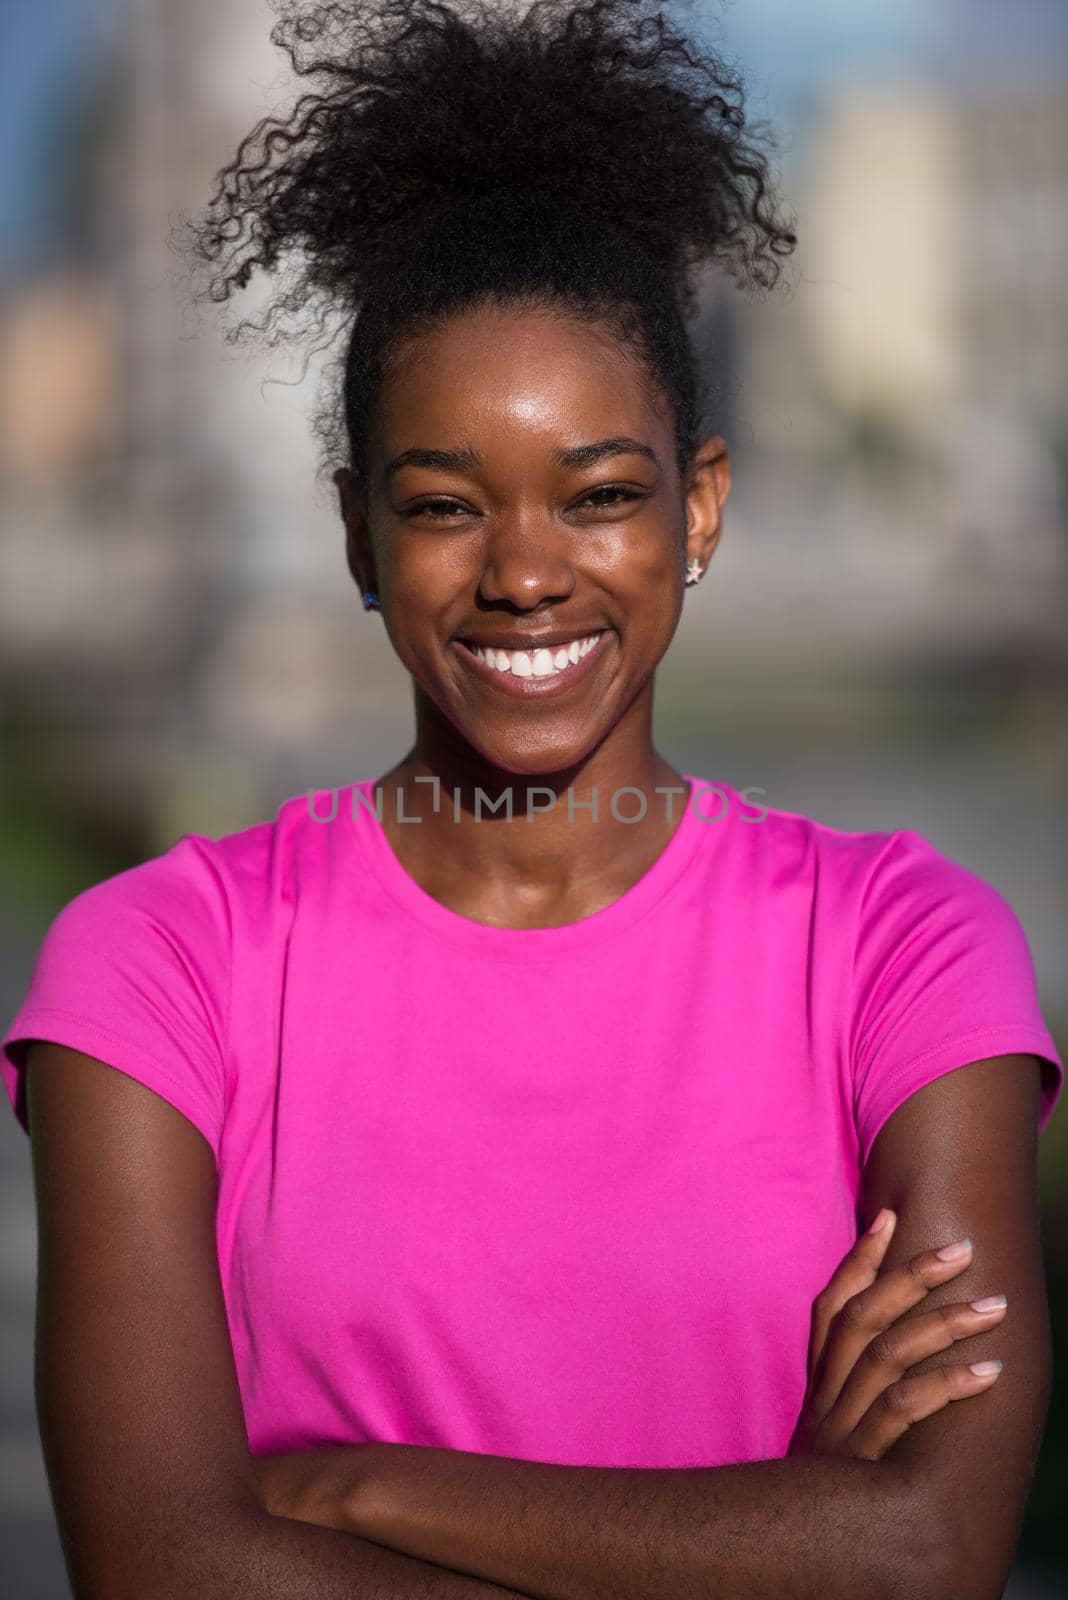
(910, 391)
(880, 252)
(173, 595)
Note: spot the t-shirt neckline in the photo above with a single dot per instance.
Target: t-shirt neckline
(523, 944)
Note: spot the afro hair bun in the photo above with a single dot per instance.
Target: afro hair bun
(592, 152)
(418, 104)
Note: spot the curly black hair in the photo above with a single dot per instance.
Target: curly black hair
(586, 156)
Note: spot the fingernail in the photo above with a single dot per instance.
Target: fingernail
(881, 1220)
(953, 1252)
(983, 1369)
(993, 1302)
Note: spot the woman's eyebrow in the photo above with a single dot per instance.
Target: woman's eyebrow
(584, 455)
(448, 460)
(579, 455)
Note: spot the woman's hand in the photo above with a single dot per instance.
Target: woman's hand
(859, 1401)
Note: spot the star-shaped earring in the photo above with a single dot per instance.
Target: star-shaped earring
(694, 571)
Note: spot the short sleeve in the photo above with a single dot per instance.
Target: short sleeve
(942, 976)
(135, 972)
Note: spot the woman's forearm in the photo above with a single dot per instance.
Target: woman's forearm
(260, 1557)
(798, 1527)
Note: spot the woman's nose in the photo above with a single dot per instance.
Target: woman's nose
(526, 561)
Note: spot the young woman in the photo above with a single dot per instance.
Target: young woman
(460, 1183)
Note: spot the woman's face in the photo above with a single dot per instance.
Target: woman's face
(524, 497)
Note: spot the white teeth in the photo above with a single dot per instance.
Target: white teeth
(543, 663)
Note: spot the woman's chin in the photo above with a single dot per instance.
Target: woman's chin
(530, 765)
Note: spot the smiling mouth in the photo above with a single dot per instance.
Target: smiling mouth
(550, 661)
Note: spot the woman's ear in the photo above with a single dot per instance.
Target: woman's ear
(708, 485)
(358, 551)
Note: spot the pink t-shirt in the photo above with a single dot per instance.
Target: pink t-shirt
(563, 1194)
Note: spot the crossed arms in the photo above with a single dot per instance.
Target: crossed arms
(133, 1349)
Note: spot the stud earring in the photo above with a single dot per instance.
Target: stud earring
(694, 571)
(371, 602)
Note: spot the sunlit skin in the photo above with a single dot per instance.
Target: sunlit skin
(511, 545)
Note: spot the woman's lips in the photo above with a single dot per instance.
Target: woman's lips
(553, 685)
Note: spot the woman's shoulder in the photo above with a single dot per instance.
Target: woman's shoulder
(245, 864)
(190, 898)
(873, 885)
(938, 966)
(780, 836)
(136, 971)
(872, 857)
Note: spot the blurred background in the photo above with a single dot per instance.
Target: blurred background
(880, 641)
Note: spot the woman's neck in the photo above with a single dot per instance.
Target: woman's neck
(570, 848)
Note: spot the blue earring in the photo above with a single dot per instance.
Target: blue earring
(371, 602)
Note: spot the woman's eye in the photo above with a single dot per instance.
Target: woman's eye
(431, 508)
(613, 489)
(440, 508)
